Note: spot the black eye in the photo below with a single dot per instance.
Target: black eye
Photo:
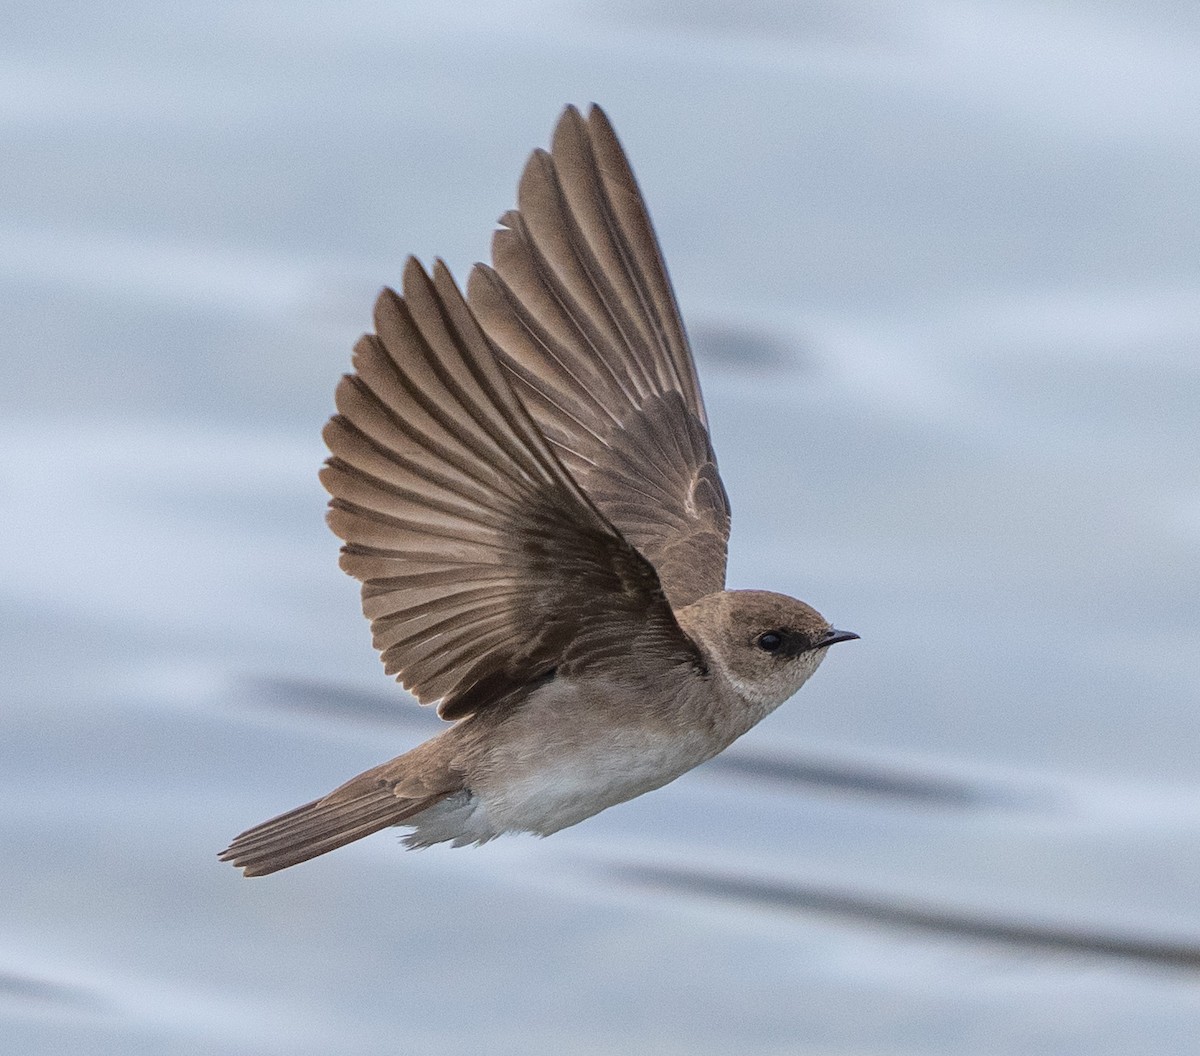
(770, 642)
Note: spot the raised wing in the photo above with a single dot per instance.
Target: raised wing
(581, 310)
(484, 567)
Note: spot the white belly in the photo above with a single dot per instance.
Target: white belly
(558, 762)
(568, 789)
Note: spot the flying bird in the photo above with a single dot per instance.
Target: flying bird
(525, 486)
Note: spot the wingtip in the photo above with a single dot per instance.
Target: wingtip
(539, 178)
(508, 223)
(414, 272)
(441, 274)
(584, 113)
(230, 857)
(481, 275)
(598, 116)
(387, 304)
(248, 870)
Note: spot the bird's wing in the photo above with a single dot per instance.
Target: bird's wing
(484, 566)
(581, 311)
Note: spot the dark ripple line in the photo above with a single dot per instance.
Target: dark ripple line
(305, 696)
(15, 986)
(800, 898)
(840, 776)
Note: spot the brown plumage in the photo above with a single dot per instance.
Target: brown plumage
(469, 536)
(526, 490)
(581, 311)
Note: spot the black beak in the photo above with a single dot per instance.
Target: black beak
(834, 636)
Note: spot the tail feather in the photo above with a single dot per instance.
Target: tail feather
(321, 826)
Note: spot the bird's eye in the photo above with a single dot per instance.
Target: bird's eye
(770, 642)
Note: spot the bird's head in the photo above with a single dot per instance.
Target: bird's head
(766, 644)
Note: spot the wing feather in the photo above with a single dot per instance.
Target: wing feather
(581, 312)
(483, 564)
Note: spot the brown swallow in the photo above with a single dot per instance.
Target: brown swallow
(525, 486)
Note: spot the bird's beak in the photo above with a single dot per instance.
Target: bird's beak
(834, 636)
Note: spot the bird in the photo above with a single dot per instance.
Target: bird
(524, 484)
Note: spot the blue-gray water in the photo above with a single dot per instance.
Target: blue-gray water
(940, 264)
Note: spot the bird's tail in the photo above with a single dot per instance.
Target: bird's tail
(360, 807)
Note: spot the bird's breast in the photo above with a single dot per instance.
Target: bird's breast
(571, 750)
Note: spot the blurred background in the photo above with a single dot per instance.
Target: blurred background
(939, 261)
